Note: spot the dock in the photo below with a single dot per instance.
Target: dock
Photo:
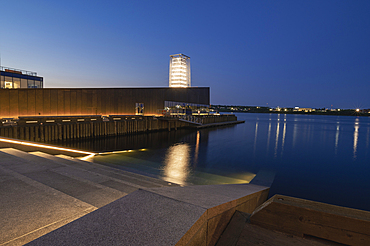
(57, 128)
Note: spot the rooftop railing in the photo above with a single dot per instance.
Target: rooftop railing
(18, 71)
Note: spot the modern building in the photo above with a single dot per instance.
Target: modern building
(179, 71)
(99, 101)
(15, 78)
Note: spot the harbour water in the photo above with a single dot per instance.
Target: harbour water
(316, 157)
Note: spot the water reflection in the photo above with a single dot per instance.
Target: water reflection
(295, 128)
(367, 138)
(176, 166)
(355, 139)
(283, 141)
(196, 153)
(336, 139)
(277, 137)
(255, 139)
(268, 138)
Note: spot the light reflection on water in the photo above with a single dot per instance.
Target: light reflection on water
(177, 164)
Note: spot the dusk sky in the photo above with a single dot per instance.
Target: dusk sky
(275, 53)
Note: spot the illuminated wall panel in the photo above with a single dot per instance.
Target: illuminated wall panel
(101, 101)
(179, 71)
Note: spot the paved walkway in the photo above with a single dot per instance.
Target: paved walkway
(41, 192)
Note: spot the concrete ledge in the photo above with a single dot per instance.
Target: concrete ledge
(192, 215)
(306, 218)
(218, 124)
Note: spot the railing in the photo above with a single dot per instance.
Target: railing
(18, 71)
(189, 118)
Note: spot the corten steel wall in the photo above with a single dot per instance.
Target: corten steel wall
(94, 101)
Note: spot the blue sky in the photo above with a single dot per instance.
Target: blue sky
(275, 53)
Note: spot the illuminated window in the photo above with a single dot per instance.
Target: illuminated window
(139, 109)
(16, 83)
(8, 85)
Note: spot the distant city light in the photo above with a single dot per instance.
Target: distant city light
(357, 110)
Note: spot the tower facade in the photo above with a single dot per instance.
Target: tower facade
(179, 71)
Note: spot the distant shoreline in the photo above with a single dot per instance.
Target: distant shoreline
(333, 113)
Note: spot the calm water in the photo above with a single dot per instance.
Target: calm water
(321, 158)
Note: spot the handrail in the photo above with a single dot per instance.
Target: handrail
(189, 118)
(19, 71)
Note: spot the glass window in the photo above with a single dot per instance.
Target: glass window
(31, 83)
(16, 83)
(8, 83)
(139, 109)
(37, 84)
(24, 83)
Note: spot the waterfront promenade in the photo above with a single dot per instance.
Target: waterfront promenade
(93, 204)
(42, 192)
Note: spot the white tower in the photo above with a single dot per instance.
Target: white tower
(179, 71)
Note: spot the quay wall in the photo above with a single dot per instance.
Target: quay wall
(95, 127)
(77, 130)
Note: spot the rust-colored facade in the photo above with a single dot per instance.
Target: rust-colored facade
(94, 101)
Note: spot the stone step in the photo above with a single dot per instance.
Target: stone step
(41, 192)
(59, 177)
(127, 176)
(89, 172)
(30, 209)
(190, 215)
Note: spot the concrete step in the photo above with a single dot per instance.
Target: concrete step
(41, 192)
(142, 181)
(30, 209)
(89, 171)
(190, 215)
(60, 177)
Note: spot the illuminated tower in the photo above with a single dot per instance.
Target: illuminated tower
(179, 70)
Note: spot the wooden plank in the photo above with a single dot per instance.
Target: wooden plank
(73, 110)
(39, 101)
(60, 102)
(54, 102)
(13, 103)
(22, 102)
(4, 103)
(31, 102)
(79, 102)
(307, 218)
(67, 102)
(46, 102)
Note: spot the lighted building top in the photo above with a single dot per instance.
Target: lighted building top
(12, 78)
(179, 71)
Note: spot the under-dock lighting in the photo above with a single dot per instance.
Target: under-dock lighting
(44, 146)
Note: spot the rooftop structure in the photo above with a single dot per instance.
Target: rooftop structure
(12, 78)
(179, 71)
